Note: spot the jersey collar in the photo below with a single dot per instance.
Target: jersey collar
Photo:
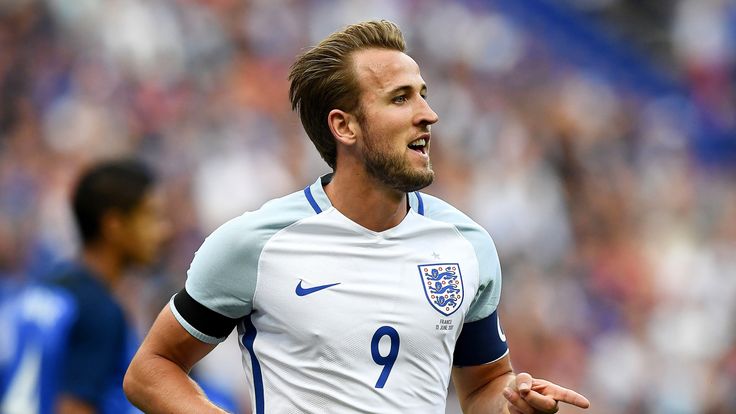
(319, 201)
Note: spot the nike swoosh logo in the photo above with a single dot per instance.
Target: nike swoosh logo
(302, 291)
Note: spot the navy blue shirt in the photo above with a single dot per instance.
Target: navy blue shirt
(99, 342)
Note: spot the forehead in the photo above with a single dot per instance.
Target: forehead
(383, 70)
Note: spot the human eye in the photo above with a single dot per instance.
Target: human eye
(399, 99)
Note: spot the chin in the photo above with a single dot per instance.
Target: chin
(144, 260)
(415, 181)
(399, 173)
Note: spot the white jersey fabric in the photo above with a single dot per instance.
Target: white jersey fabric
(335, 318)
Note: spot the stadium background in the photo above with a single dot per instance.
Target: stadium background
(594, 139)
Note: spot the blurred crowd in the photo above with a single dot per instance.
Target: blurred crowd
(617, 242)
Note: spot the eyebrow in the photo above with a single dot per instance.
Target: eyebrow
(407, 88)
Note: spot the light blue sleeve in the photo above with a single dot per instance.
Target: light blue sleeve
(489, 293)
(224, 272)
(222, 276)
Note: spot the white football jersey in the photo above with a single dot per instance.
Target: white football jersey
(335, 318)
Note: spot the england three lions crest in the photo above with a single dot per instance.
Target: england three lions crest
(443, 285)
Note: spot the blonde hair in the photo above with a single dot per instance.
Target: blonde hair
(323, 79)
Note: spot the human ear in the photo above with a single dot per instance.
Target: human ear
(343, 126)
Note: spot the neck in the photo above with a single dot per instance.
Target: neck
(364, 200)
(104, 263)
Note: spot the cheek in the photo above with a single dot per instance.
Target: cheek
(385, 138)
(147, 233)
(388, 123)
(156, 231)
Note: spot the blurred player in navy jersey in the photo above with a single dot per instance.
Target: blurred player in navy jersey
(84, 352)
(358, 294)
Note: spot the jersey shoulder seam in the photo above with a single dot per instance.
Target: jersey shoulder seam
(268, 241)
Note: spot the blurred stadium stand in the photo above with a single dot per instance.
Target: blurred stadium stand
(594, 139)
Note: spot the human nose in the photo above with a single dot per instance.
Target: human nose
(425, 114)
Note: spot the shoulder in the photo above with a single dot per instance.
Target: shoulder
(97, 313)
(437, 209)
(224, 271)
(89, 293)
(489, 267)
(46, 307)
(251, 230)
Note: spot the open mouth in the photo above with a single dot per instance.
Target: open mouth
(419, 145)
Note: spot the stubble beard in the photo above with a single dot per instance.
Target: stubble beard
(392, 168)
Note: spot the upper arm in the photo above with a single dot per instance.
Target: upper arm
(222, 275)
(480, 342)
(488, 295)
(489, 271)
(218, 292)
(222, 278)
(169, 340)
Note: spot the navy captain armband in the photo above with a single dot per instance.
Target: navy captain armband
(202, 318)
(480, 342)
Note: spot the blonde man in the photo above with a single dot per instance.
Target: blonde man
(358, 294)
